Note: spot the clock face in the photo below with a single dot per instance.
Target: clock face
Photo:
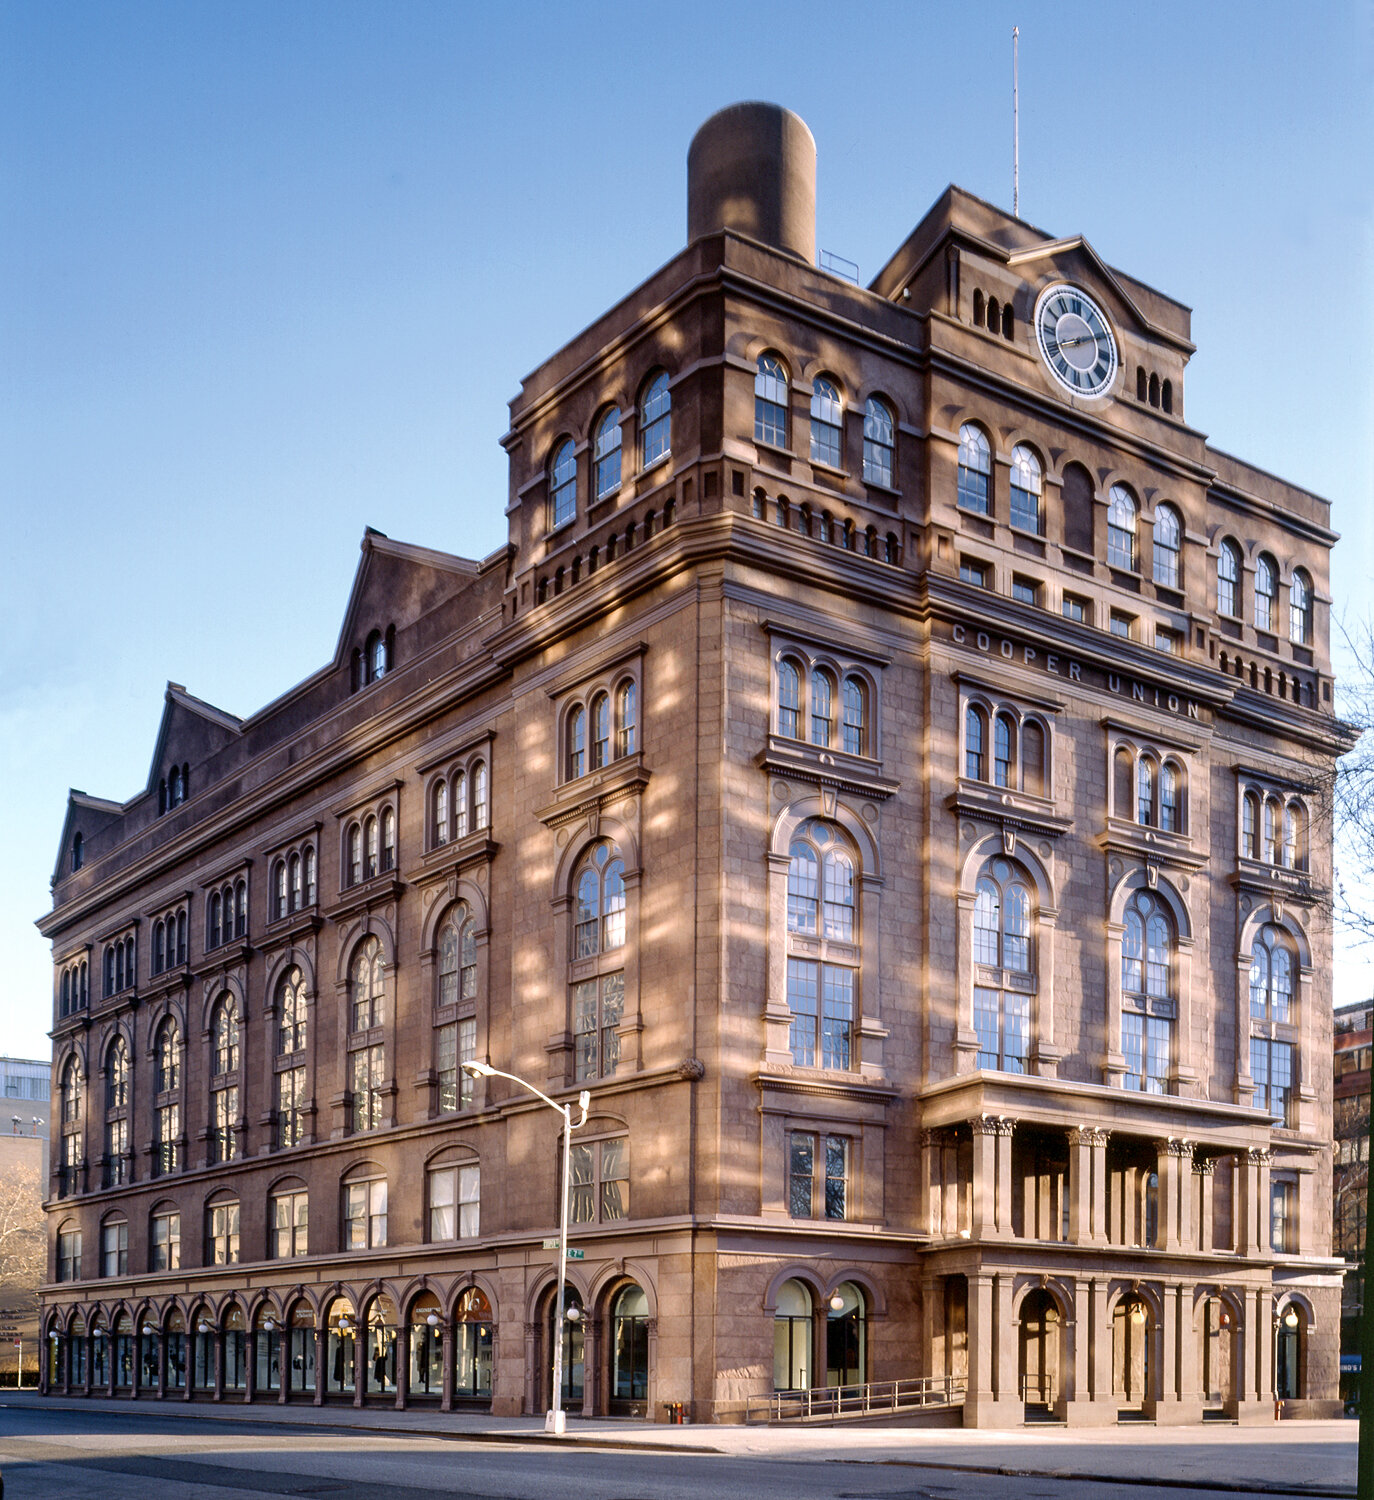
(1075, 340)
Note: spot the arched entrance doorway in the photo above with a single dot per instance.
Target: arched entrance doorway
(426, 1348)
(341, 1327)
(473, 1338)
(1132, 1333)
(629, 1352)
(176, 1351)
(793, 1334)
(380, 1355)
(1217, 1362)
(122, 1352)
(574, 1343)
(267, 1340)
(300, 1360)
(1290, 1353)
(846, 1337)
(1041, 1354)
(235, 1350)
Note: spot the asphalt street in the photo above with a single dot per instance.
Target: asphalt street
(103, 1455)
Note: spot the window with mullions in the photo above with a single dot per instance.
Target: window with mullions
(1004, 979)
(606, 455)
(1272, 1021)
(827, 422)
(1300, 609)
(224, 1071)
(365, 1214)
(292, 1103)
(73, 1086)
(1147, 994)
(822, 976)
(770, 401)
(1149, 791)
(810, 714)
(600, 1181)
(69, 1254)
(289, 1216)
(1266, 591)
(599, 909)
(880, 431)
(222, 1232)
(1228, 579)
(1027, 487)
(455, 1039)
(1168, 543)
(114, 1247)
(1122, 517)
(455, 1194)
(563, 485)
(457, 979)
(164, 1242)
(1271, 1067)
(117, 1158)
(975, 470)
(655, 420)
(366, 986)
(817, 1175)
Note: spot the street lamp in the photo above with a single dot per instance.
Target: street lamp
(555, 1420)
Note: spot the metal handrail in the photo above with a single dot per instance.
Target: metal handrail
(1038, 1389)
(830, 1403)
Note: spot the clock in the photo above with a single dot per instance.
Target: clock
(1075, 340)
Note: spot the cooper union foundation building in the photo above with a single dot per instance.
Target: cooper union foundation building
(882, 766)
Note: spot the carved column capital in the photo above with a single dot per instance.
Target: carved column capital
(992, 1125)
(1088, 1135)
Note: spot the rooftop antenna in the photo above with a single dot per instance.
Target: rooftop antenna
(1015, 124)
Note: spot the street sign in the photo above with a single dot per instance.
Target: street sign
(551, 1244)
(576, 1254)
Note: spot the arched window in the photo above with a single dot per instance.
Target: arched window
(823, 962)
(224, 1070)
(1147, 994)
(366, 989)
(975, 743)
(600, 730)
(1146, 788)
(114, 1247)
(563, 485)
(367, 1051)
(789, 700)
(1300, 609)
(629, 1347)
(1295, 836)
(455, 1039)
(78, 852)
(117, 1075)
(438, 817)
(168, 1057)
(354, 854)
(975, 470)
(1170, 798)
(1027, 485)
(454, 1190)
(979, 309)
(72, 1154)
(167, 1104)
(1228, 579)
(626, 719)
(370, 848)
(854, 706)
(577, 742)
(472, 1353)
(880, 435)
(822, 707)
(1272, 821)
(1004, 979)
(1033, 758)
(1121, 528)
(846, 1327)
(481, 801)
(770, 401)
(1273, 1018)
(606, 455)
(827, 419)
(116, 1113)
(1168, 543)
(655, 420)
(1004, 751)
(1249, 825)
(598, 1000)
(1266, 591)
(291, 1013)
(388, 824)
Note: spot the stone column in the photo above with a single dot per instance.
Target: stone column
(1204, 1173)
(1166, 1386)
(983, 1194)
(982, 1337)
(1175, 1194)
(1006, 1336)
(1004, 1130)
(1099, 1230)
(930, 1181)
(321, 1367)
(1080, 1185)
(359, 1361)
(250, 1364)
(402, 1366)
(446, 1390)
(1102, 1395)
(1189, 1394)
(1264, 1347)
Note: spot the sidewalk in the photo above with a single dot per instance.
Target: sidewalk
(1289, 1458)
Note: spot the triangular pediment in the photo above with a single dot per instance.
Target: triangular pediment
(191, 731)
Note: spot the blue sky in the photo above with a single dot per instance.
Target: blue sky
(269, 273)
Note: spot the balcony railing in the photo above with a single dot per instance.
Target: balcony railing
(834, 1403)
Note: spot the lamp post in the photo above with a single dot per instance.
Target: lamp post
(555, 1420)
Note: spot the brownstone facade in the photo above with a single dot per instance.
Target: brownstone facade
(880, 768)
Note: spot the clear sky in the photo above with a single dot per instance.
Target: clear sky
(271, 269)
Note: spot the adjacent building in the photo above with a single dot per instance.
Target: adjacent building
(1353, 1044)
(881, 766)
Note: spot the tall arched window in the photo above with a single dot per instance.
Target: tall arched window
(354, 855)
(563, 485)
(1300, 609)
(367, 1049)
(1273, 1022)
(975, 470)
(455, 1000)
(822, 707)
(1266, 591)
(371, 855)
(1228, 579)
(1168, 544)
(1295, 851)
(600, 730)
(438, 817)
(793, 1335)
(387, 860)
(823, 943)
(224, 1079)
(1027, 485)
(789, 700)
(291, 1101)
(167, 1103)
(1121, 529)
(854, 706)
(626, 719)
(117, 1158)
(1148, 1006)
(975, 743)
(827, 422)
(606, 455)
(598, 999)
(1273, 818)
(72, 1154)
(655, 420)
(577, 742)
(770, 401)
(880, 431)
(1004, 750)
(1004, 977)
